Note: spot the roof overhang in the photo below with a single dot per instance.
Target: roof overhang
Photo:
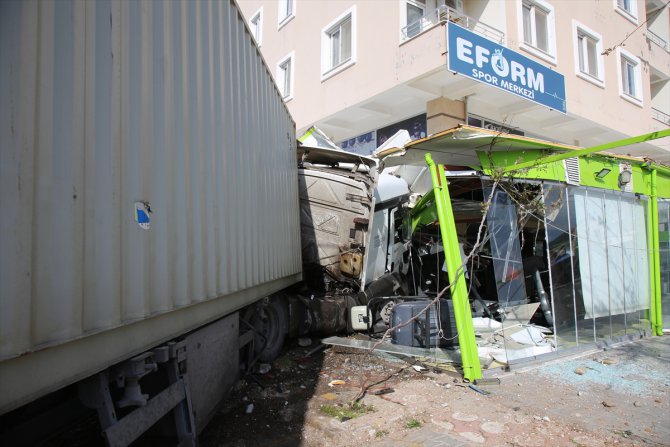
(462, 146)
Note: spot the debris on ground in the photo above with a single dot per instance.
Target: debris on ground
(379, 394)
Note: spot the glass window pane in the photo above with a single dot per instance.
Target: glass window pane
(285, 9)
(624, 71)
(346, 40)
(641, 306)
(664, 238)
(414, 16)
(284, 78)
(583, 301)
(559, 209)
(632, 292)
(287, 78)
(615, 265)
(527, 33)
(624, 4)
(596, 228)
(580, 50)
(630, 77)
(335, 48)
(541, 29)
(592, 56)
(506, 250)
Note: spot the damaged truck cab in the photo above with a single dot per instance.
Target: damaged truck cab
(351, 250)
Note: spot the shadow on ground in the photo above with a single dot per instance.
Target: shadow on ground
(271, 406)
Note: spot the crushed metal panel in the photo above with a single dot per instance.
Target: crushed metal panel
(320, 155)
(334, 216)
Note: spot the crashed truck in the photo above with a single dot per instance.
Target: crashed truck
(162, 232)
(152, 201)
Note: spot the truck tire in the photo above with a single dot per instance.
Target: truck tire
(270, 320)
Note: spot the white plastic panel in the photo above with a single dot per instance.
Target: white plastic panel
(104, 104)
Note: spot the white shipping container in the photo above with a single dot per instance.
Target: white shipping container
(107, 107)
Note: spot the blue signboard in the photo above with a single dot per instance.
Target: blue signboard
(485, 61)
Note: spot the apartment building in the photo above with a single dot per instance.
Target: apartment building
(579, 72)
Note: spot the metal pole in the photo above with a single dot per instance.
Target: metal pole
(455, 269)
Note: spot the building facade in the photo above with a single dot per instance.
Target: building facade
(360, 70)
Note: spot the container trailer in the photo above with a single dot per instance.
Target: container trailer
(148, 195)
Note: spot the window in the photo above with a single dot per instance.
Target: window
(338, 44)
(285, 12)
(630, 77)
(588, 58)
(627, 8)
(285, 76)
(588, 62)
(455, 4)
(256, 26)
(416, 9)
(537, 19)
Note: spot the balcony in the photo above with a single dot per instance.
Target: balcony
(660, 116)
(445, 14)
(653, 37)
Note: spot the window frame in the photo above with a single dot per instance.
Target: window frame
(636, 63)
(418, 4)
(630, 14)
(579, 29)
(550, 55)
(282, 81)
(282, 20)
(327, 69)
(257, 30)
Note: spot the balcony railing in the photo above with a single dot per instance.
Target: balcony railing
(658, 40)
(660, 116)
(446, 14)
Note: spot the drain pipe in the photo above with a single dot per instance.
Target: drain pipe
(544, 300)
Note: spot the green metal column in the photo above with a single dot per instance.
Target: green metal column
(459, 292)
(656, 309)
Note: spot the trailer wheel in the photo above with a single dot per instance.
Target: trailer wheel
(270, 320)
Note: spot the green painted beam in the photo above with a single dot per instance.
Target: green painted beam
(459, 291)
(581, 152)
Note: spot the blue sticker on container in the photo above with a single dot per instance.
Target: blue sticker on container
(143, 214)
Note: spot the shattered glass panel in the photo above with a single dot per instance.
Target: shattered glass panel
(505, 249)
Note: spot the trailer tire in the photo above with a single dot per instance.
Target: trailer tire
(270, 320)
